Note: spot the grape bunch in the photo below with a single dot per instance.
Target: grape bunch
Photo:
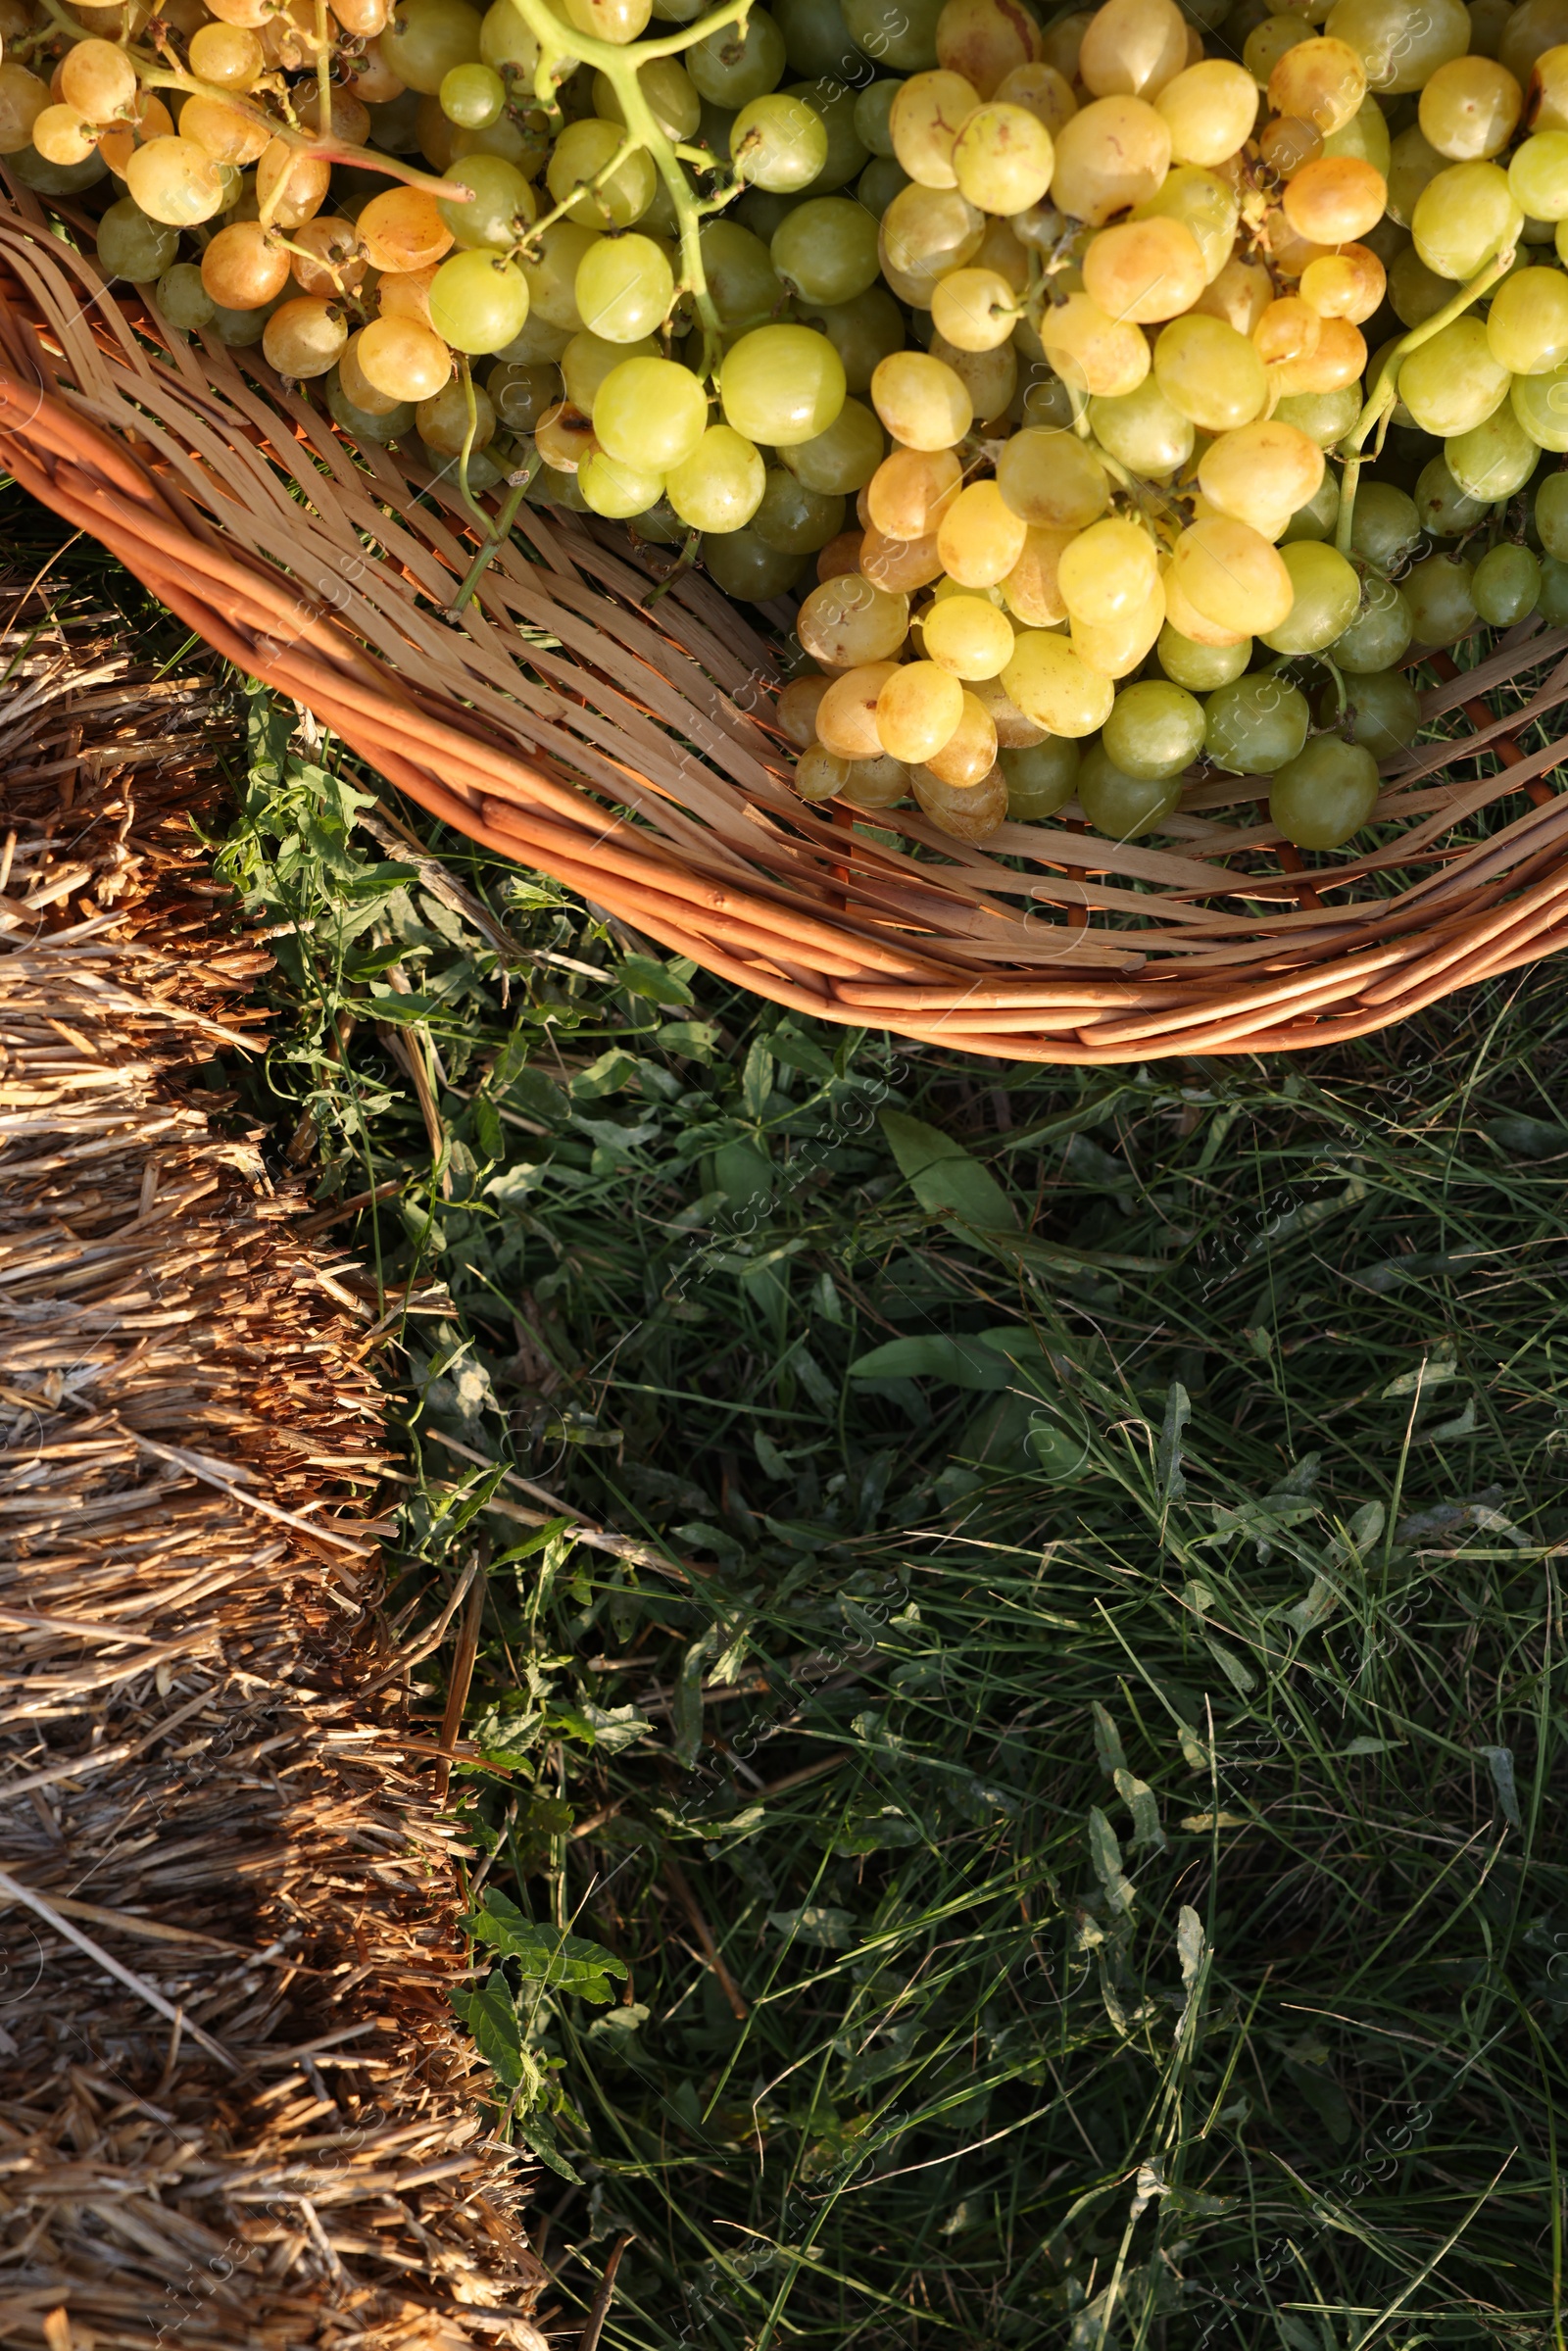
(1075, 312)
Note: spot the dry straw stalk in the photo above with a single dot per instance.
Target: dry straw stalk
(235, 2114)
(630, 751)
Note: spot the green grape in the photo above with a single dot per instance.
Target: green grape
(761, 211)
(1505, 585)
(863, 332)
(1379, 635)
(651, 413)
(484, 471)
(720, 485)
(1493, 459)
(624, 288)
(1324, 416)
(472, 96)
(521, 391)
(1414, 164)
(505, 39)
(1253, 725)
(779, 143)
(1540, 404)
(671, 95)
(549, 488)
(735, 64)
(899, 36)
(1453, 382)
(826, 250)
(1324, 796)
(1527, 325)
(239, 329)
(746, 568)
(846, 157)
(1442, 606)
(1384, 711)
(615, 489)
(1201, 669)
(741, 278)
(501, 198)
(1155, 730)
(394, 126)
(1327, 595)
(842, 460)
(478, 301)
(1464, 217)
(551, 269)
(1387, 525)
(1552, 515)
(1141, 430)
(1041, 778)
(1442, 508)
(1317, 518)
(130, 245)
(513, 141)
(1415, 292)
(883, 179)
(1552, 604)
(358, 422)
(183, 299)
(782, 384)
(424, 39)
(873, 108)
(661, 523)
(588, 359)
(583, 154)
(816, 40)
(1400, 45)
(793, 518)
(1124, 807)
(1537, 177)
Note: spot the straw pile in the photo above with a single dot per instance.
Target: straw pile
(233, 2110)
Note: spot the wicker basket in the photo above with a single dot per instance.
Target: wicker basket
(630, 752)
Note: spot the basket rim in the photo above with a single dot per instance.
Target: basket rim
(224, 492)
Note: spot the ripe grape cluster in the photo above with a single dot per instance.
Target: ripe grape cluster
(1073, 310)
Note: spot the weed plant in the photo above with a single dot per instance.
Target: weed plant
(1043, 1824)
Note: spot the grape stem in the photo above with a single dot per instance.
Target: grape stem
(1384, 395)
(517, 489)
(561, 48)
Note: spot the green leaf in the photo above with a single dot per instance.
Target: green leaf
(800, 1052)
(1178, 1412)
(1500, 1760)
(612, 1070)
(1530, 1138)
(945, 1177)
(817, 1923)
(697, 1037)
(1107, 1743)
(1103, 1850)
(687, 1712)
(1139, 1798)
(616, 1727)
(961, 1363)
(645, 977)
(1427, 1374)
(491, 2017)
(567, 1963)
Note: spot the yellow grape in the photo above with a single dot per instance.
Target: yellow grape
(979, 537)
(921, 401)
(1335, 200)
(173, 181)
(845, 714)
(1526, 327)
(964, 812)
(401, 228)
(986, 41)
(1051, 480)
(222, 130)
(918, 710)
(1091, 350)
(924, 121)
(243, 268)
(1209, 110)
(899, 565)
(1107, 572)
(304, 337)
(1261, 473)
(1050, 683)
(227, 55)
(1288, 329)
(1144, 270)
(797, 707)
(1002, 158)
(1228, 574)
(1141, 430)
(1032, 589)
(1115, 648)
(1211, 374)
(330, 261)
(911, 490)
(970, 753)
(1111, 154)
(1240, 295)
(98, 80)
(969, 636)
(818, 776)
(1470, 109)
(1320, 82)
(1042, 90)
(1133, 48)
(974, 310)
(847, 621)
(62, 136)
(1348, 284)
(403, 359)
(1203, 203)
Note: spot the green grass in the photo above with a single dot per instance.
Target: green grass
(1170, 1945)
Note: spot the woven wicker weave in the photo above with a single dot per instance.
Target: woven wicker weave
(630, 752)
